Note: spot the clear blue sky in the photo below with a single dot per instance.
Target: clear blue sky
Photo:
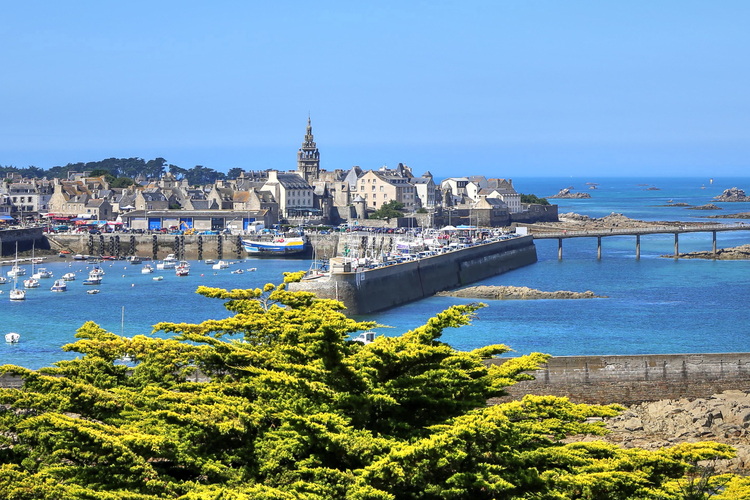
(502, 88)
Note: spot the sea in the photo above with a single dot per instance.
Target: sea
(652, 305)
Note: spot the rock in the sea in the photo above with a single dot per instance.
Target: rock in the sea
(709, 206)
(567, 193)
(741, 252)
(516, 293)
(732, 194)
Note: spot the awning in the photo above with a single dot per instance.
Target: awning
(6, 217)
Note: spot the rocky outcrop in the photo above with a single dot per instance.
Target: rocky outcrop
(724, 418)
(709, 206)
(741, 252)
(732, 194)
(515, 293)
(567, 194)
(741, 215)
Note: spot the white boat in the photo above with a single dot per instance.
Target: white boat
(147, 269)
(157, 278)
(69, 276)
(93, 280)
(59, 286)
(134, 259)
(365, 337)
(42, 273)
(93, 291)
(252, 269)
(169, 262)
(209, 261)
(222, 264)
(16, 293)
(31, 283)
(12, 338)
(79, 256)
(182, 269)
(3, 280)
(16, 271)
(238, 271)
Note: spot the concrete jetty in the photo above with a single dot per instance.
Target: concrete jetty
(368, 290)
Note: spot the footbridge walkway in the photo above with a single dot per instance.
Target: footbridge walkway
(546, 233)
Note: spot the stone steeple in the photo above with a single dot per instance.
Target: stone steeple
(308, 157)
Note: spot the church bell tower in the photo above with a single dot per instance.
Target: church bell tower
(308, 157)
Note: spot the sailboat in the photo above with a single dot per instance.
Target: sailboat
(32, 282)
(17, 293)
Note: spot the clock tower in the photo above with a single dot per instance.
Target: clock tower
(308, 157)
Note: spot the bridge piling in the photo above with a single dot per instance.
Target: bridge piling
(599, 248)
(637, 246)
(714, 243)
(676, 245)
(559, 248)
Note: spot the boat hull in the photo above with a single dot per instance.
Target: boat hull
(282, 247)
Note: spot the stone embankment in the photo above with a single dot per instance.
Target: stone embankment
(732, 194)
(724, 418)
(566, 193)
(515, 293)
(741, 252)
(576, 222)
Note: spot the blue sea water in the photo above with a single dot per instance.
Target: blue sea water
(653, 305)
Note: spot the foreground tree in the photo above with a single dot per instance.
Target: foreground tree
(276, 402)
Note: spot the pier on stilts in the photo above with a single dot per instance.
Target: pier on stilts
(637, 232)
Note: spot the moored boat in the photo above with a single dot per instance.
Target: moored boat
(59, 286)
(182, 269)
(147, 269)
(31, 283)
(69, 276)
(16, 271)
(278, 246)
(93, 280)
(92, 291)
(222, 264)
(12, 337)
(42, 273)
(169, 262)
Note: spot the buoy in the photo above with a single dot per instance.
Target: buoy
(132, 284)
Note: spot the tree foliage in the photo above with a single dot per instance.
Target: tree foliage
(389, 210)
(275, 401)
(534, 199)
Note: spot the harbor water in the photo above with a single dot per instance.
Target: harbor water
(653, 305)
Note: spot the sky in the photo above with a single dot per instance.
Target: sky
(501, 88)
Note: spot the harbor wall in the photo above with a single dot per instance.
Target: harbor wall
(636, 379)
(381, 288)
(26, 239)
(158, 246)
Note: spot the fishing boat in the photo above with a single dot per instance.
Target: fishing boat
(69, 276)
(59, 286)
(96, 272)
(147, 269)
(278, 246)
(93, 279)
(182, 269)
(12, 337)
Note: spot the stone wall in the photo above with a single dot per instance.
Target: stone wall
(25, 238)
(637, 379)
(381, 288)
